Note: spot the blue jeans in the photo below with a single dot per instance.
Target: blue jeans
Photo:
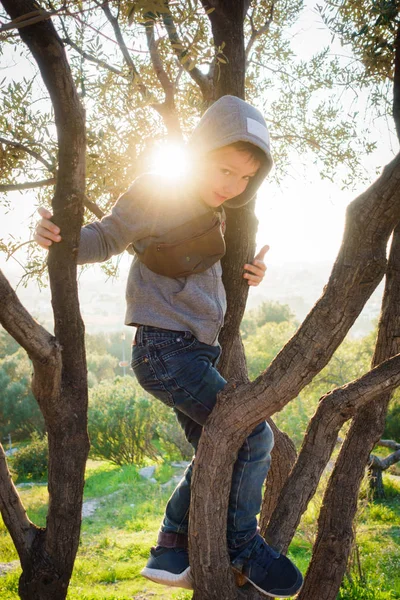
(181, 372)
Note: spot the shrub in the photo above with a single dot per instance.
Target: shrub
(172, 438)
(392, 428)
(31, 461)
(20, 413)
(122, 422)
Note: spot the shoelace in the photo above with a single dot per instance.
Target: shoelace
(262, 555)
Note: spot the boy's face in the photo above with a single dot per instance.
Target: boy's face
(225, 174)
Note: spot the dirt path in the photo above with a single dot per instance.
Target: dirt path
(9, 566)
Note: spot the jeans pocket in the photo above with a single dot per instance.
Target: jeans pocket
(139, 355)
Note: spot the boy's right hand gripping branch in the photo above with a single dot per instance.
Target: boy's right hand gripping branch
(46, 232)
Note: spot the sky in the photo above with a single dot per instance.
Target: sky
(302, 218)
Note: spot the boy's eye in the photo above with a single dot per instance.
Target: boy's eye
(226, 171)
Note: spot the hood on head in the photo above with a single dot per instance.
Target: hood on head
(231, 120)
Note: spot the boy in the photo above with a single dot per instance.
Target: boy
(176, 299)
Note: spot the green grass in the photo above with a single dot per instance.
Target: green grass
(116, 539)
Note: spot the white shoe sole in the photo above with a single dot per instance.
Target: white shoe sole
(182, 580)
(271, 595)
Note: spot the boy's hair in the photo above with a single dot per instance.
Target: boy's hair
(255, 152)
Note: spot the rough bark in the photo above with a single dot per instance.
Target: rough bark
(358, 269)
(335, 531)
(227, 23)
(283, 457)
(334, 409)
(47, 567)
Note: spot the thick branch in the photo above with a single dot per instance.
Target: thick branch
(21, 529)
(29, 18)
(389, 444)
(42, 348)
(28, 150)
(29, 185)
(40, 345)
(334, 409)
(384, 463)
(335, 531)
(283, 457)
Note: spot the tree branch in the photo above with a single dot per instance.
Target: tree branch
(389, 444)
(125, 52)
(384, 463)
(256, 33)
(40, 345)
(29, 18)
(167, 108)
(28, 150)
(334, 409)
(182, 54)
(335, 531)
(283, 457)
(90, 57)
(92, 206)
(157, 64)
(21, 529)
(30, 185)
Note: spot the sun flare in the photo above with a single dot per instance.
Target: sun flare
(169, 159)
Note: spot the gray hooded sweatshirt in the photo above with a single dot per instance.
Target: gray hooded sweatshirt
(152, 206)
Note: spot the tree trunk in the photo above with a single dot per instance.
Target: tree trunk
(47, 563)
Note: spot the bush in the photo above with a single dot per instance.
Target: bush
(20, 413)
(31, 462)
(172, 438)
(392, 428)
(122, 422)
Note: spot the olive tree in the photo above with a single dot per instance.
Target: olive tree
(194, 53)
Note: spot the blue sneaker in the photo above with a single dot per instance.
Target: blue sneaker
(169, 566)
(271, 573)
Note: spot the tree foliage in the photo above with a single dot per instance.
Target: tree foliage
(144, 75)
(177, 67)
(122, 422)
(20, 414)
(370, 28)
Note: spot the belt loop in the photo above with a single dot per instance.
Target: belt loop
(139, 335)
(187, 335)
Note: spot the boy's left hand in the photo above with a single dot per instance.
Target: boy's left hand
(257, 268)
